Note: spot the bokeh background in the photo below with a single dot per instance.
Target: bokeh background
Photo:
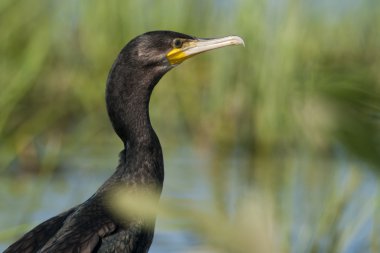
(274, 147)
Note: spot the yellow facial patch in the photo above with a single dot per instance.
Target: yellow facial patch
(176, 56)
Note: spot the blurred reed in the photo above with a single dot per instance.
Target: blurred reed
(307, 76)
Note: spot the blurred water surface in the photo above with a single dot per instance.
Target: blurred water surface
(187, 182)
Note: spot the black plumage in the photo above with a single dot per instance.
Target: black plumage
(92, 225)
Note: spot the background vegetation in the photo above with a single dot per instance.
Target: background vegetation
(287, 127)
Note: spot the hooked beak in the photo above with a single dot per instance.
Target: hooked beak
(190, 48)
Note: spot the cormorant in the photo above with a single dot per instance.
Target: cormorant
(92, 225)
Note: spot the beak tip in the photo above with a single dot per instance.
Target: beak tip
(238, 40)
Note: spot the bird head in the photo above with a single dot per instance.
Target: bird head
(164, 50)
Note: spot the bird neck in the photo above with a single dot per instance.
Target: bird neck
(127, 96)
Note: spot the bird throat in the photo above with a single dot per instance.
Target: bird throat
(127, 97)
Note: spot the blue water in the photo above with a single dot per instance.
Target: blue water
(188, 178)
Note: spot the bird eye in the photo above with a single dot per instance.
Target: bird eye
(177, 43)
